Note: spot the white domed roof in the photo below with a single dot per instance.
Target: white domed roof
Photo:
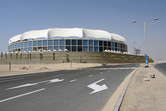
(118, 37)
(100, 34)
(35, 34)
(15, 38)
(65, 32)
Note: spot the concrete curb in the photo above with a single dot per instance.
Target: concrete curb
(116, 99)
(120, 99)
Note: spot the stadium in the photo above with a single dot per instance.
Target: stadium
(67, 40)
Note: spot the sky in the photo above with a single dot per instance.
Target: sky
(114, 16)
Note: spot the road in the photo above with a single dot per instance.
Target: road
(72, 90)
(161, 67)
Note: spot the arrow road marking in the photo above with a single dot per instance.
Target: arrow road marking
(55, 80)
(96, 87)
(32, 84)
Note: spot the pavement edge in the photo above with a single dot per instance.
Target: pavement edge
(116, 99)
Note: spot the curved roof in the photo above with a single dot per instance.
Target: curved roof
(117, 37)
(100, 34)
(35, 34)
(15, 38)
(74, 33)
(65, 32)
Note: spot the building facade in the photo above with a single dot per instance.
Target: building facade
(67, 39)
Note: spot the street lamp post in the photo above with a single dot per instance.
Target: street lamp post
(145, 41)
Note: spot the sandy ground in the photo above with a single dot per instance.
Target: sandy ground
(145, 93)
(18, 69)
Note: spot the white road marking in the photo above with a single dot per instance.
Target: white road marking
(96, 87)
(22, 95)
(55, 80)
(32, 84)
(90, 75)
(24, 85)
(73, 80)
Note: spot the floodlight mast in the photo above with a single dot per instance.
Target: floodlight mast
(145, 41)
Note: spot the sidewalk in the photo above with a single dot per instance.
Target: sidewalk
(20, 69)
(145, 93)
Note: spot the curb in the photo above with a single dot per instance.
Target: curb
(120, 99)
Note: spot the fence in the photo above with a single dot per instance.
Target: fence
(64, 57)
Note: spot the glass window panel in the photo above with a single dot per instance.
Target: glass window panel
(22, 44)
(121, 45)
(95, 49)
(113, 49)
(50, 48)
(105, 48)
(34, 43)
(100, 43)
(100, 49)
(62, 42)
(62, 48)
(30, 43)
(67, 42)
(19, 45)
(50, 42)
(116, 44)
(22, 50)
(15, 45)
(109, 44)
(56, 42)
(12, 46)
(90, 49)
(116, 49)
(91, 42)
(68, 48)
(105, 43)
(85, 42)
(26, 44)
(85, 48)
(39, 43)
(25, 49)
(73, 42)
(73, 48)
(79, 48)
(56, 48)
(79, 42)
(95, 42)
(30, 49)
(113, 44)
(44, 42)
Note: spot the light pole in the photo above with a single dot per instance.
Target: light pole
(145, 41)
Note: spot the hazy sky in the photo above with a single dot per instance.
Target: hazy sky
(114, 16)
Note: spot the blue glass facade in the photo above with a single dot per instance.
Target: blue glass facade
(74, 45)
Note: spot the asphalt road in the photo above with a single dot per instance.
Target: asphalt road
(74, 90)
(161, 67)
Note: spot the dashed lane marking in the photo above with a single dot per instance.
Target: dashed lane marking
(73, 80)
(90, 75)
(21, 95)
